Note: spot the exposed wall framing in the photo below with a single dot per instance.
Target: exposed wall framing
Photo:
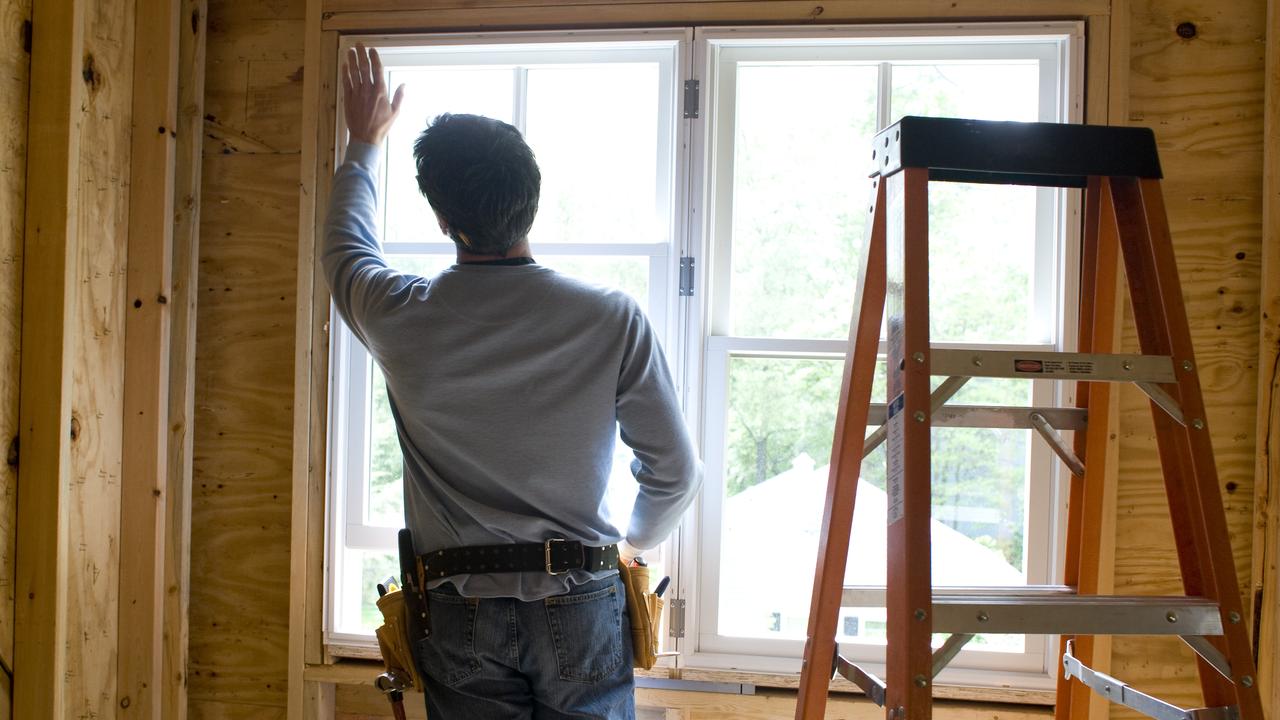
(144, 466)
(49, 297)
(1266, 535)
(192, 24)
(93, 457)
(15, 62)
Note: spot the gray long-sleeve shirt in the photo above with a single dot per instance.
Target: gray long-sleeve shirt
(507, 385)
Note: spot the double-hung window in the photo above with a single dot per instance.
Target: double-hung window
(599, 112)
(789, 126)
(721, 177)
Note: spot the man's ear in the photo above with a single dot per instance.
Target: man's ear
(444, 226)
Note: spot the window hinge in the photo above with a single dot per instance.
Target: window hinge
(686, 276)
(691, 99)
(676, 624)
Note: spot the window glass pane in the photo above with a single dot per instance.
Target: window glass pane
(980, 90)
(800, 160)
(371, 567)
(594, 129)
(424, 265)
(427, 93)
(982, 238)
(982, 244)
(384, 503)
(626, 273)
(781, 417)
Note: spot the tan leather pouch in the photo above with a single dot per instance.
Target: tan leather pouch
(644, 609)
(393, 637)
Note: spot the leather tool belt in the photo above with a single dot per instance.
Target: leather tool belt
(556, 556)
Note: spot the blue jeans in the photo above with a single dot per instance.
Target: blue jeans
(568, 656)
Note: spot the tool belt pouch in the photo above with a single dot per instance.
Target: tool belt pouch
(393, 637)
(645, 612)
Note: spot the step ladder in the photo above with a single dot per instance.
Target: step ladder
(1119, 171)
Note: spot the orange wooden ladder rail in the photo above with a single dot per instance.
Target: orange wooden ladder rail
(1124, 217)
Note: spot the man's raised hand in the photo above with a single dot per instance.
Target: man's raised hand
(364, 96)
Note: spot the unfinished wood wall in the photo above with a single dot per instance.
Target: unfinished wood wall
(240, 514)
(1204, 98)
(15, 57)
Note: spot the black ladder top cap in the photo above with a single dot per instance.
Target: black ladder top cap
(1014, 153)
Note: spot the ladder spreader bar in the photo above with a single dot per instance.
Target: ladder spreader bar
(871, 685)
(1121, 694)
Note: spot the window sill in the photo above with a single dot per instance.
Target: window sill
(361, 671)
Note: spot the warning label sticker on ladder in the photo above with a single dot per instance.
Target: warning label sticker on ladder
(893, 454)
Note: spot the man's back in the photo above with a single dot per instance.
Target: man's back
(506, 383)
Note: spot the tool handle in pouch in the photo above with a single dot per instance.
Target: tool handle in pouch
(644, 609)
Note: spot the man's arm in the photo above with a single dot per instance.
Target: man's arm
(358, 276)
(666, 464)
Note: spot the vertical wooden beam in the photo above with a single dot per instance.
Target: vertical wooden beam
(1266, 543)
(44, 406)
(146, 370)
(182, 353)
(15, 76)
(305, 699)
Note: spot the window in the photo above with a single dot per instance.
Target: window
(789, 127)
(760, 193)
(599, 114)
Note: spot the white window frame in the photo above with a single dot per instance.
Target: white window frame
(350, 364)
(711, 345)
(689, 325)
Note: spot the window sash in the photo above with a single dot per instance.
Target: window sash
(350, 366)
(716, 52)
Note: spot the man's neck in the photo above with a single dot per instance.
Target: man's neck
(519, 250)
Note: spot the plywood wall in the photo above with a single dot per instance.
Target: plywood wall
(1204, 98)
(239, 607)
(15, 60)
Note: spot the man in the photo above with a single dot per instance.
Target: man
(506, 381)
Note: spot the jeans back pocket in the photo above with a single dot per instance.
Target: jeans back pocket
(449, 655)
(586, 630)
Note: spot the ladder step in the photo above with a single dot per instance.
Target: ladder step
(993, 416)
(1055, 610)
(1052, 365)
(991, 151)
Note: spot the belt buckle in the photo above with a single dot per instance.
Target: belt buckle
(546, 549)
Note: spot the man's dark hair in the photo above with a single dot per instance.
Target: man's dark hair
(480, 176)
